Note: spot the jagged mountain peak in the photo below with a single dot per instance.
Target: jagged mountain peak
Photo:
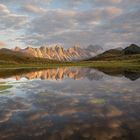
(29, 48)
(58, 52)
(17, 48)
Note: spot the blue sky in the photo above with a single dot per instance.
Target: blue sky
(109, 23)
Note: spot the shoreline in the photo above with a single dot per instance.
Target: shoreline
(94, 64)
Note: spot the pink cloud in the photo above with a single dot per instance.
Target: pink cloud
(2, 44)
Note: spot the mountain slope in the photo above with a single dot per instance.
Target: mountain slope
(132, 49)
(130, 52)
(8, 56)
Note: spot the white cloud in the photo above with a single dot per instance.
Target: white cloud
(30, 8)
(3, 9)
(9, 19)
(2, 44)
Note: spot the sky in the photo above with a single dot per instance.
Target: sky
(108, 23)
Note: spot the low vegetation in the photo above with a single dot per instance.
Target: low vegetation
(5, 87)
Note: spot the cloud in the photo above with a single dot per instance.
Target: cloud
(9, 19)
(12, 21)
(3, 9)
(24, 1)
(30, 8)
(68, 26)
(108, 1)
(2, 44)
(113, 11)
(111, 23)
(93, 3)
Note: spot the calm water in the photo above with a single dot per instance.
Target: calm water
(69, 104)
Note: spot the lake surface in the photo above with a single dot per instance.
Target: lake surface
(69, 104)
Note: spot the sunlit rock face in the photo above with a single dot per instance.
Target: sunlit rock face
(57, 52)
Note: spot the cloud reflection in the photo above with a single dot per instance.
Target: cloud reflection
(86, 105)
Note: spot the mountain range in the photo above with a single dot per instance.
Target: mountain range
(57, 52)
(53, 54)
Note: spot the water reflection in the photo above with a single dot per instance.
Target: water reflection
(70, 104)
(130, 74)
(61, 73)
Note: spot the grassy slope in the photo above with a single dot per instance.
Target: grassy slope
(95, 64)
(4, 87)
(116, 59)
(9, 57)
(115, 55)
(15, 59)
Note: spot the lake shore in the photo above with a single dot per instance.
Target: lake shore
(96, 64)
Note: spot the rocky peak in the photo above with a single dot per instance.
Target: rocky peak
(75, 47)
(58, 48)
(29, 48)
(71, 50)
(17, 48)
(132, 49)
(43, 48)
(57, 52)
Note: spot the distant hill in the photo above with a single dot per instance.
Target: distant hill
(119, 48)
(132, 51)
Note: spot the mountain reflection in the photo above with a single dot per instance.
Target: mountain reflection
(130, 74)
(73, 73)
(56, 74)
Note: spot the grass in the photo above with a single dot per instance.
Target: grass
(97, 101)
(115, 64)
(5, 87)
(128, 63)
(2, 83)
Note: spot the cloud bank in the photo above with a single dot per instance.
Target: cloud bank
(110, 23)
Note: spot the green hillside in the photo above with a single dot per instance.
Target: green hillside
(129, 53)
